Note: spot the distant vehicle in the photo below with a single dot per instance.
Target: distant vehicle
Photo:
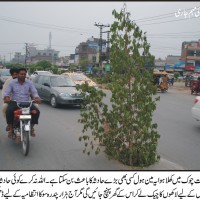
(80, 78)
(187, 79)
(57, 89)
(180, 78)
(35, 73)
(196, 108)
(190, 78)
(4, 74)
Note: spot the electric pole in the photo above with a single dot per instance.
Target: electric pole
(27, 54)
(108, 46)
(101, 26)
(10, 57)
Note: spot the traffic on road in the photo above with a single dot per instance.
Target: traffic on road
(57, 145)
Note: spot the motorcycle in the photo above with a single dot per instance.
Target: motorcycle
(22, 124)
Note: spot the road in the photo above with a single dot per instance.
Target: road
(180, 133)
(56, 146)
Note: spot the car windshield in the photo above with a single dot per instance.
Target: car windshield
(5, 72)
(58, 81)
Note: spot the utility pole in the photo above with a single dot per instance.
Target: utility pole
(101, 26)
(10, 57)
(108, 46)
(27, 54)
(18, 54)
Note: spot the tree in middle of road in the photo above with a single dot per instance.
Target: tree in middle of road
(126, 129)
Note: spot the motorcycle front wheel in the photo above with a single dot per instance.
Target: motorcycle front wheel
(25, 142)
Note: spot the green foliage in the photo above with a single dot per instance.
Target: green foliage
(125, 128)
(54, 69)
(176, 75)
(72, 67)
(13, 65)
(84, 63)
(95, 70)
(43, 65)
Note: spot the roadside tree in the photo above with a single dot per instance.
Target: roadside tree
(126, 127)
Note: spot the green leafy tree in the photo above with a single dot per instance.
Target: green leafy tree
(32, 68)
(13, 65)
(84, 63)
(72, 67)
(43, 65)
(54, 69)
(176, 75)
(95, 70)
(125, 128)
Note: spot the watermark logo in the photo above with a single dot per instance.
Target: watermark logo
(195, 12)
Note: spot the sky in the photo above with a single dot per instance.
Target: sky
(167, 24)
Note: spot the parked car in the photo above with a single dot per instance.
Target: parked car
(4, 74)
(35, 73)
(57, 89)
(80, 78)
(196, 108)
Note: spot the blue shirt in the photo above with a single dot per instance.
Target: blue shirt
(21, 92)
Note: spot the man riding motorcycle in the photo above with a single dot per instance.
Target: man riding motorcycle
(14, 74)
(21, 90)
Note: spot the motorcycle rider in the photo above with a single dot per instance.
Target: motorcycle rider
(21, 90)
(14, 74)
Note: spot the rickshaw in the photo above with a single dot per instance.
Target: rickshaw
(195, 84)
(161, 86)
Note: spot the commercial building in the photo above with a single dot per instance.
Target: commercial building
(48, 54)
(190, 54)
(89, 50)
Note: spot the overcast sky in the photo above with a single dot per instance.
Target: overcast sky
(73, 22)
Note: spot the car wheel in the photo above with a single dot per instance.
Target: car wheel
(53, 101)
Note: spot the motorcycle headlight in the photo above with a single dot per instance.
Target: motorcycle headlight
(64, 95)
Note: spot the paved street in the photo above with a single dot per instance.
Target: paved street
(56, 146)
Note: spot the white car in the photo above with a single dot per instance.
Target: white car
(80, 78)
(35, 73)
(196, 108)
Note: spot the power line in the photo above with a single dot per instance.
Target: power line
(46, 26)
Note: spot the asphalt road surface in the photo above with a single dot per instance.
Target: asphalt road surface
(56, 146)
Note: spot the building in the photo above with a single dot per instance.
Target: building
(171, 60)
(48, 54)
(89, 50)
(18, 58)
(171, 64)
(160, 64)
(63, 62)
(190, 54)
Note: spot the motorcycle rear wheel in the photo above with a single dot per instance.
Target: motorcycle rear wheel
(25, 142)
